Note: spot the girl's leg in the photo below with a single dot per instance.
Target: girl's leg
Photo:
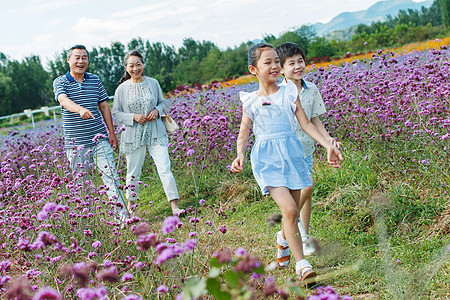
(135, 161)
(161, 158)
(289, 212)
(296, 194)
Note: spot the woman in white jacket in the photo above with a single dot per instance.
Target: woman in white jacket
(138, 104)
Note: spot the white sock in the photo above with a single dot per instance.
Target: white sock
(281, 241)
(300, 265)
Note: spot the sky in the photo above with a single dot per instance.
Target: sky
(46, 27)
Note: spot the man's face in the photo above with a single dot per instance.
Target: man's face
(78, 62)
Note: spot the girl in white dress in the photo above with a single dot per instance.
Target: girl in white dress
(138, 105)
(277, 156)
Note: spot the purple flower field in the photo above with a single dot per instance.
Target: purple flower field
(59, 237)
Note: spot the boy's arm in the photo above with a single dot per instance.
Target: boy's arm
(242, 140)
(316, 121)
(334, 155)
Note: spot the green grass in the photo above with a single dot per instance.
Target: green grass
(377, 228)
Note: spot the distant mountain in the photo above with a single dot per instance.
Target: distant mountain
(376, 12)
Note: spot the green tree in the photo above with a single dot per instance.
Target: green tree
(320, 47)
(269, 38)
(188, 69)
(59, 65)
(35, 84)
(444, 6)
(301, 36)
(8, 93)
(107, 63)
(188, 72)
(193, 50)
(137, 44)
(3, 59)
(234, 61)
(160, 63)
(212, 66)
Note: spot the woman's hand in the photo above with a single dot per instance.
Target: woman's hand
(334, 156)
(153, 115)
(140, 118)
(237, 165)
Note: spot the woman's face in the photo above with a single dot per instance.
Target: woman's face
(135, 67)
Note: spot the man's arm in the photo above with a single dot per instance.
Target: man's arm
(73, 107)
(106, 113)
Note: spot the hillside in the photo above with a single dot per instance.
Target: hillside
(376, 12)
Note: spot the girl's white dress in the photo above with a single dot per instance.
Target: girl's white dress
(277, 156)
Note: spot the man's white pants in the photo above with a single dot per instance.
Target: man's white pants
(102, 155)
(135, 161)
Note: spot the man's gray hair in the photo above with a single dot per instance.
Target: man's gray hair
(81, 47)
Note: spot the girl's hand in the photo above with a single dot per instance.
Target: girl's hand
(237, 165)
(334, 155)
(153, 115)
(140, 118)
(335, 143)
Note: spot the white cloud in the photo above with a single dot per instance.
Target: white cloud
(39, 6)
(90, 26)
(139, 10)
(53, 22)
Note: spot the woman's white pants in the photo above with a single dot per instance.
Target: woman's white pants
(135, 161)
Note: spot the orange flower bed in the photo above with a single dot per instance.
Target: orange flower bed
(420, 46)
(241, 80)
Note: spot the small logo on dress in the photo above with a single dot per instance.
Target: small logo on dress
(266, 103)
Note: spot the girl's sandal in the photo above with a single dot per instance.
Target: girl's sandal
(283, 254)
(307, 276)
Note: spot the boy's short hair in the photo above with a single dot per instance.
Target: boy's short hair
(80, 47)
(287, 50)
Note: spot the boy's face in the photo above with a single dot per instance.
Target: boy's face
(294, 67)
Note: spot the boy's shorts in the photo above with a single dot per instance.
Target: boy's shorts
(309, 163)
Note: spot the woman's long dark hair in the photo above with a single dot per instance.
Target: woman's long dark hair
(127, 76)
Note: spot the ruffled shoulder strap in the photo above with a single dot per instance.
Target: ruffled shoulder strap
(247, 100)
(291, 91)
(291, 95)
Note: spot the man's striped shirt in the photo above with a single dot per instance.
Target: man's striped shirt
(88, 94)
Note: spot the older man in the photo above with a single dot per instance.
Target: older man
(85, 111)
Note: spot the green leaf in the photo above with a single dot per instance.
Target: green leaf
(214, 288)
(214, 262)
(260, 270)
(195, 287)
(232, 278)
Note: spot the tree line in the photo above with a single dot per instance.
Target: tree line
(28, 84)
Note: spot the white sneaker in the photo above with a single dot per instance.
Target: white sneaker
(308, 248)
